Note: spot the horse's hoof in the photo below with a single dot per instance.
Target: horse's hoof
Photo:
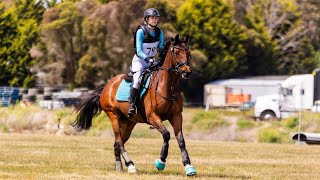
(159, 164)
(190, 171)
(132, 169)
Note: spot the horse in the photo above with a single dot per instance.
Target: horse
(162, 101)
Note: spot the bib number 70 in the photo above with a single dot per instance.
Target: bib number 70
(151, 49)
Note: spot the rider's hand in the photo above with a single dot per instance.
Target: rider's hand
(147, 60)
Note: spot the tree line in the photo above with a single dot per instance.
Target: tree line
(74, 43)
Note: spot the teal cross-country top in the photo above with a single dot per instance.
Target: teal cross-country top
(139, 42)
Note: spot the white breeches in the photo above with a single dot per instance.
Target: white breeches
(138, 65)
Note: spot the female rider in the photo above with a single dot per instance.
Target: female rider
(149, 38)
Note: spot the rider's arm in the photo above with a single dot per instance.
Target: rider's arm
(139, 42)
(161, 39)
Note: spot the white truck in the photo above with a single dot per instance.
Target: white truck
(295, 93)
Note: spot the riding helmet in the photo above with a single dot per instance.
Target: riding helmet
(151, 12)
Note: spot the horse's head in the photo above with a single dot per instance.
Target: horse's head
(181, 56)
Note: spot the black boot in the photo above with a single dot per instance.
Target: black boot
(132, 100)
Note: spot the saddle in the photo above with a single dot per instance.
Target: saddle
(126, 83)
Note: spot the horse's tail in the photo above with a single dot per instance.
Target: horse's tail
(88, 108)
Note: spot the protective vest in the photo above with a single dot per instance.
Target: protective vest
(150, 43)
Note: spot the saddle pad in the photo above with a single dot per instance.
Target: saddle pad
(123, 91)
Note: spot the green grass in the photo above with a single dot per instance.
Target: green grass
(86, 157)
(207, 121)
(245, 124)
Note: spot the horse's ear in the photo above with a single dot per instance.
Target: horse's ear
(187, 39)
(176, 39)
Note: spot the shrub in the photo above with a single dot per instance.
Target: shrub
(269, 135)
(208, 120)
(244, 124)
(4, 128)
(291, 123)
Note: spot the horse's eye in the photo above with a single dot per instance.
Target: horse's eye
(176, 53)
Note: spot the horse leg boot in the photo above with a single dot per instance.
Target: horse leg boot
(127, 159)
(132, 100)
(160, 163)
(176, 122)
(190, 171)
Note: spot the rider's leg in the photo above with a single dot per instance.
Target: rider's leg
(132, 100)
(137, 66)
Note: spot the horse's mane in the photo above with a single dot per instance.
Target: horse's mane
(167, 43)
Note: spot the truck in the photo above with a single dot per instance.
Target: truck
(297, 92)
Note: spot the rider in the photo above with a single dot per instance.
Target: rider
(146, 48)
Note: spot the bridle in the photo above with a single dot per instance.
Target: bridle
(177, 66)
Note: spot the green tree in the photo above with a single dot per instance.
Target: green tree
(8, 30)
(278, 42)
(22, 34)
(217, 42)
(62, 34)
(214, 32)
(86, 43)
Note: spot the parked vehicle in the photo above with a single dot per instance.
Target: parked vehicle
(247, 106)
(297, 92)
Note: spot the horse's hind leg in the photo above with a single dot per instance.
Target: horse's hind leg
(119, 142)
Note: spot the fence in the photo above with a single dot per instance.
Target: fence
(47, 97)
(8, 95)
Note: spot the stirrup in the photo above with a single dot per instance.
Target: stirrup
(132, 113)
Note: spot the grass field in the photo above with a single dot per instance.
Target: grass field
(81, 157)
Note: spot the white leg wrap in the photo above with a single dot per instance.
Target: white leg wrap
(132, 169)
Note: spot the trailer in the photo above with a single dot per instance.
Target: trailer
(235, 92)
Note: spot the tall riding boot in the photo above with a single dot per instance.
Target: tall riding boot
(132, 100)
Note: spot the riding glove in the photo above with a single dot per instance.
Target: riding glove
(147, 60)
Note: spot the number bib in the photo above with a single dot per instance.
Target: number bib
(150, 49)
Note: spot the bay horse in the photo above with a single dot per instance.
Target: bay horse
(162, 101)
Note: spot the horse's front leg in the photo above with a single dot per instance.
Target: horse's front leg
(176, 123)
(156, 122)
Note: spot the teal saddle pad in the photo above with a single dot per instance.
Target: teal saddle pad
(123, 91)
